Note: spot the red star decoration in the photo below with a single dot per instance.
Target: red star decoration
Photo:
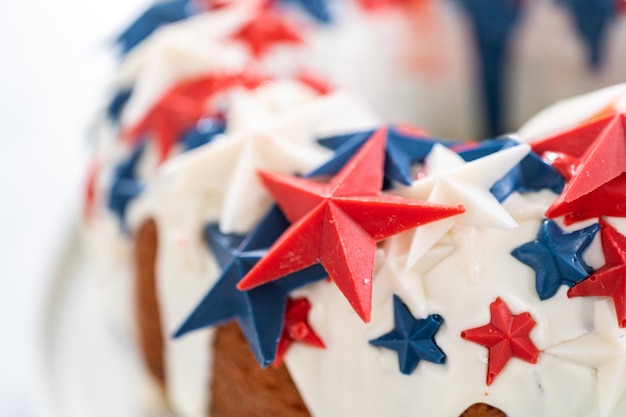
(338, 224)
(182, 106)
(506, 336)
(318, 84)
(609, 280)
(593, 159)
(90, 190)
(296, 328)
(265, 30)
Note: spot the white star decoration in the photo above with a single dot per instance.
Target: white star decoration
(407, 284)
(450, 180)
(603, 349)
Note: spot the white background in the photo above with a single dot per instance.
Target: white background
(55, 61)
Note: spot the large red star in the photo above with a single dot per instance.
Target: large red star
(609, 280)
(265, 30)
(182, 106)
(296, 328)
(506, 336)
(338, 224)
(593, 159)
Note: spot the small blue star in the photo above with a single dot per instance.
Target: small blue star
(154, 17)
(202, 133)
(413, 339)
(117, 104)
(318, 9)
(402, 150)
(260, 311)
(556, 257)
(125, 186)
(531, 174)
(591, 19)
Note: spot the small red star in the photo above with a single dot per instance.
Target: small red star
(182, 106)
(90, 190)
(609, 280)
(338, 224)
(591, 157)
(506, 336)
(265, 30)
(296, 328)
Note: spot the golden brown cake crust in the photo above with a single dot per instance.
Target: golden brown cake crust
(482, 410)
(147, 307)
(240, 387)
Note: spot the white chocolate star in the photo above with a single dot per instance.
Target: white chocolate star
(393, 278)
(452, 181)
(603, 349)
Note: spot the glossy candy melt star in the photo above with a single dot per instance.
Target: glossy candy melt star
(557, 257)
(596, 152)
(259, 312)
(331, 222)
(413, 339)
(506, 336)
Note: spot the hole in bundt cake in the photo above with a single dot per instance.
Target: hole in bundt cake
(482, 410)
(148, 318)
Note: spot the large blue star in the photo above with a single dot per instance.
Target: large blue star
(318, 9)
(403, 148)
(556, 257)
(202, 133)
(413, 339)
(591, 19)
(151, 19)
(125, 186)
(260, 311)
(531, 174)
(493, 23)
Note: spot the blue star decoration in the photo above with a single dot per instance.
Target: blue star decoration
(259, 312)
(318, 9)
(591, 19)
(403, 148)
(202, 133)
(125, 186)
(413, 339)
(117, 104)
(493, 23)
(531, 174)
(557, 257)
(155, 16)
